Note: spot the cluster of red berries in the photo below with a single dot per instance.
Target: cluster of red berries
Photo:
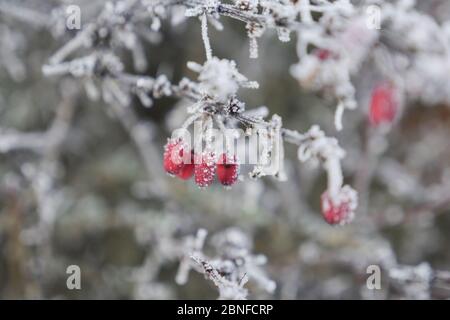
(203, 167)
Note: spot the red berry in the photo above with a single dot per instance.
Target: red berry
(204, 169)
(340, 210)
(227, 170)
(173, 156)
(323, 54)
(383, 104)
(187, 169)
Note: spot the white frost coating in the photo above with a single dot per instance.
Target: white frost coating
(334, 174)
(338, 116)
(195, 246)
(205, 37)
(220, 78)
(315, 145)
(253, 48)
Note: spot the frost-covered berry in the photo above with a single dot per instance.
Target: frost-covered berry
(227, 169)
(340, 209)
(204, 169)
(383, 104)
(187, 170)
(173, 156)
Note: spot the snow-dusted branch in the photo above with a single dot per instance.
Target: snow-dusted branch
(231, 269)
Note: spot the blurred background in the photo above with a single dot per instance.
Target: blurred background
(89, 194)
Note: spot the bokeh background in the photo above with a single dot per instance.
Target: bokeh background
(97, 200)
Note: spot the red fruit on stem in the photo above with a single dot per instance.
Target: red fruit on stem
(187, 170)
(341, 210)
(204, 167)
(173, 156)
(227, 170)
(383, 104)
